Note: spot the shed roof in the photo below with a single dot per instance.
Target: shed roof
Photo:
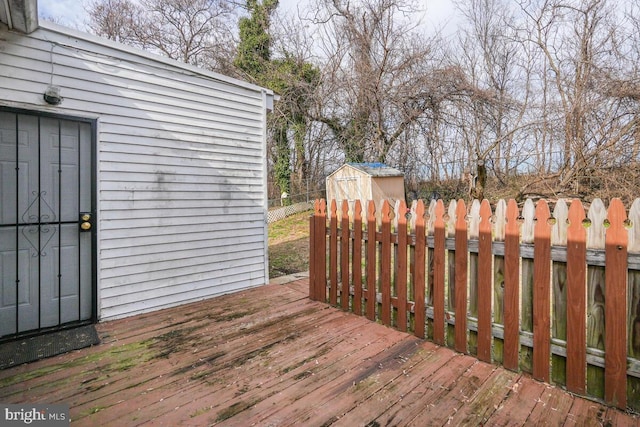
(376, 169)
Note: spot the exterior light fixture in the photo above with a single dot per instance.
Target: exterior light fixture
(52, 95)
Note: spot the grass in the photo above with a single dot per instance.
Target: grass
(289, 245)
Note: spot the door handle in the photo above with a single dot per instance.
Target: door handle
(86, 221)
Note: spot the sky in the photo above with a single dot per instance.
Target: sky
(68, 12)
(71, 12)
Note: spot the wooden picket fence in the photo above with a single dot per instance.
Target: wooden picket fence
(556, 295)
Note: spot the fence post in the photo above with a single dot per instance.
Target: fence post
(498, 234)
(320, 260)
(461, 278)
(312, 253)
(356, 258)
(541, 293)
(473, 234)
(615, 359)
(595, 296)
(511, 288)
(371, 261)
(559, 300)
(451, 272)
(485, 278)
(385, 264)
(438, 274)
(401, 277)
(419, 273)
(576, 294)
(333, 254)
(344, 256)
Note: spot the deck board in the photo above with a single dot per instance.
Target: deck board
(400, 392)
(519, 403)
(270, 356)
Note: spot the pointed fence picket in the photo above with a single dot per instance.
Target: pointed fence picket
(553, 294)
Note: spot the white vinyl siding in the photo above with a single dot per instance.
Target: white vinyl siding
(181, 165)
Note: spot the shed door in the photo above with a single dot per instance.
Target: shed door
(46, 256)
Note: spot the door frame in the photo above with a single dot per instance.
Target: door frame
(94, 231)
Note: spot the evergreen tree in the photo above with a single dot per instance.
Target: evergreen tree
(291, 79)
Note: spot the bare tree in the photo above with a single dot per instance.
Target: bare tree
(542, 87)
(375, 78)
(198, 32)
(574, 38)
(548, 89)
(115, 20)
(491, 115)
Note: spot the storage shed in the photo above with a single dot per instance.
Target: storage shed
(365, 181)
(129, 182)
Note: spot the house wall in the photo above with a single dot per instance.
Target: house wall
(181, 172)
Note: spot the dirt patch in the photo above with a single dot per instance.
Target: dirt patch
(289, 258)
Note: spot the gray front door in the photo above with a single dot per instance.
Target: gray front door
(46, 257)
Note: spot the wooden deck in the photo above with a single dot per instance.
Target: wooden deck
(269, 356)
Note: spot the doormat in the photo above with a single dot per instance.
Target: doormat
(26, 350)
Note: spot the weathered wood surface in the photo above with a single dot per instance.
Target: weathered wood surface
(485, 278)
(553, 295)
(474, 223)
(559, 291)
(633, 296)
(526, 352)
(595, 296)
(318, 252)
(541, 293)
(401, 268)
(344, 257)
(438, 274)
(419, 271)
(450, 287)
(615, 374)
(269, 356)
(499, 228)
(314, 265)
(371, 262)
(512, 288)
(356, 256)
(576, 293)
(385, 265)
(429, 289)
(333, 251)
(461, 277)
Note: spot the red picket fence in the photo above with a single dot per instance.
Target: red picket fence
(556, 295)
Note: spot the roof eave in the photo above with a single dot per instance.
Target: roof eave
(20, 15)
